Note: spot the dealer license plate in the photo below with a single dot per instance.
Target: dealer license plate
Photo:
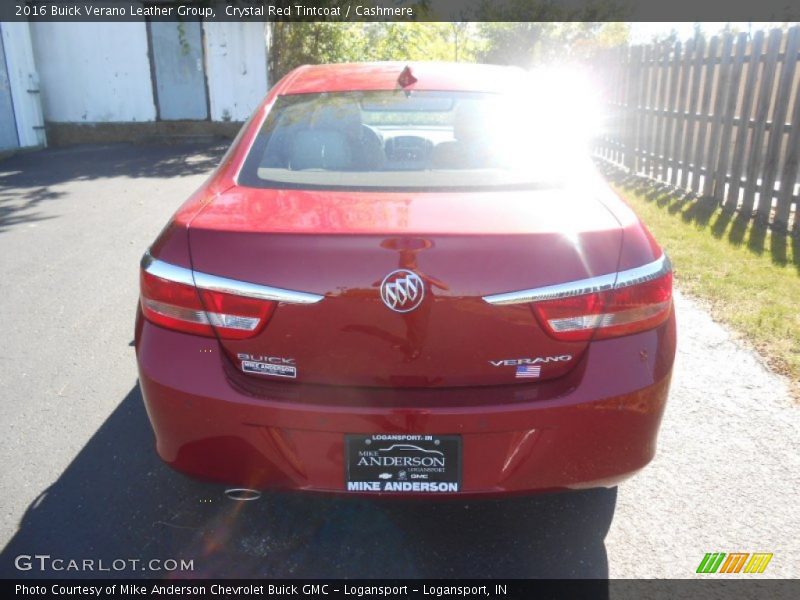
(403, 463)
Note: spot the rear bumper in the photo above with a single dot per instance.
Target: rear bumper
(595, 433)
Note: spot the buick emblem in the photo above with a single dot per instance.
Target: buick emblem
(402, 290)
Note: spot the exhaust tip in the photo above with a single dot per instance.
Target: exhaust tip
(242, 494)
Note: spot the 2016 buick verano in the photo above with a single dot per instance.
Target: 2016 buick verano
(401, 280)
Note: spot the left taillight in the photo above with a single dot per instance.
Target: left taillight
(610, 313)
(606, 306)
(170, 299)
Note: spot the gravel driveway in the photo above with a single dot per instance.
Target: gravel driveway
(81, 480)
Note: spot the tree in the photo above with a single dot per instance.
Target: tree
(526, 44)
(542, 30)
(298, 43)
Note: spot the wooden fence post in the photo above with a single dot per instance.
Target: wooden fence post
(631, 107)
(692, 121)
(619, 104)
(671, 118)
(778, 122)
(728, 94)
(660, 117)
(700, 158)
(791, 164)
(680, 116)
(762, 112)
(732, 199)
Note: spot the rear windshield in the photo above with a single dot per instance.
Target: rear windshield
(399, 140)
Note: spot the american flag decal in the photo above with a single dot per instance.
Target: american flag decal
(529, 371)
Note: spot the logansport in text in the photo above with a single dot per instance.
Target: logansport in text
(427, 590)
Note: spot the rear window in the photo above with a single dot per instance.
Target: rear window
(399, 140)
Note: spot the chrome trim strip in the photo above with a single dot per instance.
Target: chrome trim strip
(647, 272)
(252, 290)
(165, 270)
(214, 283)
(600, 283)
(553, 292)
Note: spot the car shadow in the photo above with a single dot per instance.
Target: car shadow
(116, 500)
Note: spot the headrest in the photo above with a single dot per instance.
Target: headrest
(338, 114)
(320, 149)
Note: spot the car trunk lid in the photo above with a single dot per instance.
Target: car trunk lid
(453, 248)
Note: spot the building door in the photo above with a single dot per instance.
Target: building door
(8, 122)
(179, 70)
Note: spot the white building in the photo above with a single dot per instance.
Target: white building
(84, 81)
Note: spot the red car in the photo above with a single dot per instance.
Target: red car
(400, 280)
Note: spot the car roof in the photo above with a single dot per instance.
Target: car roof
(343, 77)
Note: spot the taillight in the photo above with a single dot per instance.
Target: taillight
(172, 301)
(236, 317)
(609, 313)
(173, 305)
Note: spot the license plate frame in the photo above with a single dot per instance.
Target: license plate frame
(403, 463)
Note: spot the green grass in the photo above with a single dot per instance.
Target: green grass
(749, 276)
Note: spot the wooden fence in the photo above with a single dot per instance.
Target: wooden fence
(718, 118)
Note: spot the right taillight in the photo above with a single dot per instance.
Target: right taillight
(610, 313)
(170, 299)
